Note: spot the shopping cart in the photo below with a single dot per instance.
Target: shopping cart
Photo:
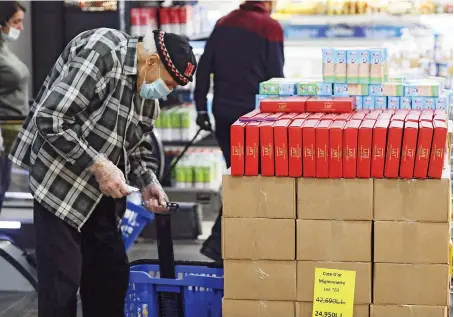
(164, 287)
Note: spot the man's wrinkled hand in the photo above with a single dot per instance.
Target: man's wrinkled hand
(154, 198)
(110, 178)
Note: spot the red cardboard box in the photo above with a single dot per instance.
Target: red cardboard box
(315, 116)
(437, 155)
(288, 116)
(309, 162)
(393, 149)
(423, 149)
(330, 104)
(385, 116)
(413, 116)
(399, 116)
(359, 115)
(441, 117)
(350, 144)
(364, 148)
(343, 117)
(407, 161)
(322, 145)
(237, 136)
(363, 110)
(260, 117)
(288, 104)
(249, 116)
(252, 149)
(373, 115)
(427, 115)
(391, 111)
(303, 115)
(439, 111)
(379, 148)
(281, 147)
(267, 148)
(335, 148)
(295, 143)
(378, 110)
(329, 116)
(274, 116)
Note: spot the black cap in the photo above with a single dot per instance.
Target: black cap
(176, 55)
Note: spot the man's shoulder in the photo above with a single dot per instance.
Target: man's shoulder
(102, 40)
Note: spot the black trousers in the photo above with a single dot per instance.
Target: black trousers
(93, 260)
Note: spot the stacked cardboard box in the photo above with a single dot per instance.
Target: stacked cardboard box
(411, 248)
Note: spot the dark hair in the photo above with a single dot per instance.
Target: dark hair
(8, 9)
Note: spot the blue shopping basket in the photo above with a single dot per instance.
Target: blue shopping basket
(134, 221)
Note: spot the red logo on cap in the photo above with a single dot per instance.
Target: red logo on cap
(189, 69)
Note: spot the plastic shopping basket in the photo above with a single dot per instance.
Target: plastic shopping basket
(133, 222)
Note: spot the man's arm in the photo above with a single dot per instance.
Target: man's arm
(55, 118)
(203, 79)
(275, 51)
(143, 164)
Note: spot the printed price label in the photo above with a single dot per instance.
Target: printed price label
(334, 293)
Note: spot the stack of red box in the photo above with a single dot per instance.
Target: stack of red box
(362, 144)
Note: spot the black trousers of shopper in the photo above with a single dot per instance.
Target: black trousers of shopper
(93, 260)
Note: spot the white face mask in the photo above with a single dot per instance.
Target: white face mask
(12, 35)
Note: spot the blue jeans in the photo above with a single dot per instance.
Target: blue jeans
(5, 176)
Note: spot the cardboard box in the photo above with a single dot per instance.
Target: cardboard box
(257, 308)
(328, 65)
(413, 116)
(412, 200)
(368, 102)
(343, 117)
(330, 104)
(405, 103)
(377, 65)
(399, 116)
(335, 199)
(252, 149)
(393, 149)
(258, 197)
(306, 275)
(288, 116)
(260, 280)
(316, 116)
(407, 311)
(393, 102)
(288, 104)
(335, 149)
(303, 115)
(258, 239)
(364, 66)
(350, 143)
(281, 147)
(409, 284)
(322, 146)
(359, 102)
(237, 136)
(393, 89)
(380, 102)
(333, 240)
(260, 116)
(423, 149)
(358, 90)
(340, 66)
(305, 310)
(411, 242)
(309, 155)
(427, 115)
(295, 140)
(437, 154)
(274, 116)
(407, 161)
(359, 115)
(266, 148)
(278, 86)
(341, 90)
(441, 116)
(379, 148)
(314, 88)
(248, 117)
(329, 116)
(364, 148)
(374, 115)
(353, 66)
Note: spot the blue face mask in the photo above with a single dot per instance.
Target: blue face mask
(156, 90)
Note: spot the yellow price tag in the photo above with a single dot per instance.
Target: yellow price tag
(334, 293)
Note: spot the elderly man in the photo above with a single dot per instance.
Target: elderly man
(85, 134)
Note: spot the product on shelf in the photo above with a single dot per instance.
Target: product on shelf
(409, 141)
(237, 136)
(423, 149)
(295, 140)
(288, 104)
(314, 87)
(309, 157)
(322, 148)
(281, 147)
(350, 143)
(335, 148)
(278, 86)
(177, 123)
(267, 148)
(330, 104)
(252, 149)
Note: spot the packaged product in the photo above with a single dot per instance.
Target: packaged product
(252, 149)
(237, 136)
(441, 102)
(350, 143)
(393, 149)
(417, 103)
(377, 66)
(343, 117)
(423, 149)
(407, 161)
(379, 137)
(359, 116)
(380, 102)
(426, 115)
(309, 157)
(278, 86)
(261, 116)
(364, 148)
(405, 103)
(352, 67)
(376, 90)
(314, 88)
(368, 102)
(341, 90)
(393, 89)
(288, 104)
(340, 66)
(399, 116)
(423, 88)
(358, 89)
(373, 115)
(429, 103)
(440, 116)
(437, 154)
(295, 143)
(322, 148)
(328, 65)
(267, 148)
(281, 147)
(413, 116)
(393, 102)
(259, 98)
(329, 117)
(364, 66)
(303, 115)
(289, 116)
(335, 148)
(273, 116)
(330, 104)
(315, 116)
(359, 102)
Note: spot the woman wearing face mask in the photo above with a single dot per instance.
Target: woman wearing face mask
(13, 84)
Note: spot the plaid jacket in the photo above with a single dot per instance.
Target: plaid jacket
(87, 105)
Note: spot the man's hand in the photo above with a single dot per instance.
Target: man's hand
(110, 178)
(203, 121)
(154, 198)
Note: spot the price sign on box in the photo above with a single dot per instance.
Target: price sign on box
(334, 293)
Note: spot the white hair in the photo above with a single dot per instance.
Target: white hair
(149, 44)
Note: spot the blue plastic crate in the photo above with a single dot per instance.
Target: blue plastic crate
(134, 221)
(201, 288)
